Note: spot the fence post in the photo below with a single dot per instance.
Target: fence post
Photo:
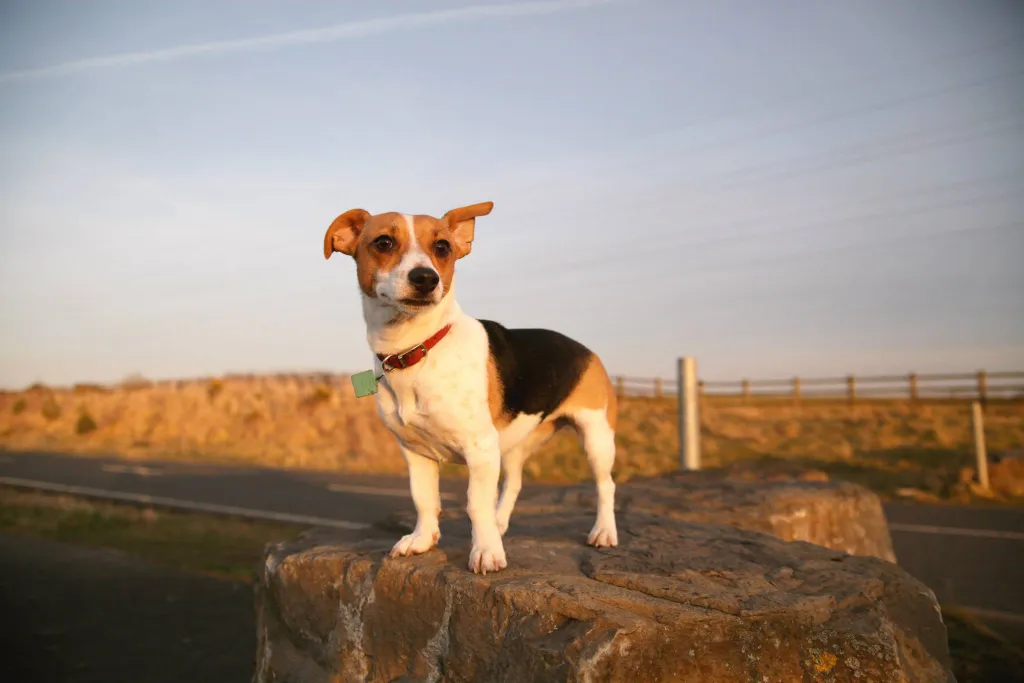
(796, 391)
(982, 385)
(689, 420)
(620, 387)
(980, 452)
(745, 389)
(657, 387)
(912, 380)
(851, 389)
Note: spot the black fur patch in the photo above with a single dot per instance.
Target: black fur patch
(538, 368)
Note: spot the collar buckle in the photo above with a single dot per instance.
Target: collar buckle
(396, 361)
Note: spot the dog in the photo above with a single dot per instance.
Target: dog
(454, 388)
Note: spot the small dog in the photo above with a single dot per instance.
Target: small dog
(453, 387)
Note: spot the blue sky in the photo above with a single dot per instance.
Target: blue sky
(777, 188)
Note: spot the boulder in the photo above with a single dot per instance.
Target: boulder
(675, 601)
(837, 515)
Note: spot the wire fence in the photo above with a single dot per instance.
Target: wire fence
(979, 385)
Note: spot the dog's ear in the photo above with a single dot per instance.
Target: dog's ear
(344, 232)
(461, 221)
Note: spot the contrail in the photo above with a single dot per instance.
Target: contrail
(327, 34)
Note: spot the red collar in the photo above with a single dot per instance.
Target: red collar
(397, 361)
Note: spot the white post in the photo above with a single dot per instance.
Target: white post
(689, 420)
(978, 419)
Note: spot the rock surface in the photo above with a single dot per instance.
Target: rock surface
(676, 601)
(837, 515)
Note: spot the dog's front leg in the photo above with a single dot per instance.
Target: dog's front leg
(483, 459)
(426, 496)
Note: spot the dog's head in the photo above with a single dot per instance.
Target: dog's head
(404, 261)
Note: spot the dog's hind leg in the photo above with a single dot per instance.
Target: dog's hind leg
(598, 436)
(512, 464)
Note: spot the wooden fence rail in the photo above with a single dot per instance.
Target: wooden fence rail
(979, 385)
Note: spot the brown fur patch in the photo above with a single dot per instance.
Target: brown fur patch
(593, 392)
(495, 394)
(343, 233)
(463, 225)
(370, 262)
(429, 231)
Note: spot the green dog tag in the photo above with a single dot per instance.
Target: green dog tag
(365, 383)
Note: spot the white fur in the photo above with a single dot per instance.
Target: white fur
(438, 410)
(599, 444)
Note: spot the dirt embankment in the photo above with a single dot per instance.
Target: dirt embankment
(315, 421)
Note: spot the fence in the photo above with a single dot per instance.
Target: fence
(980, 385)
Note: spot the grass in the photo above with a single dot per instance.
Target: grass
(230, 549)
(216, 546)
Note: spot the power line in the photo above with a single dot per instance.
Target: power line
(754, 296)
(628, 280)
(856, 111)
(617, 255)
(895, 146)
(830, 117)
(673, 193)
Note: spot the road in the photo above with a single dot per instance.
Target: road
(970, 557)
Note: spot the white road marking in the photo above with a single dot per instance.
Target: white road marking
(374, 491)
(957, 531)
(179, 504)
(140, 470)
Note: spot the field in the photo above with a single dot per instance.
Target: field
(896, 447)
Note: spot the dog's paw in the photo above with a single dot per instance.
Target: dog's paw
(603, 535)
(487, 557)
(415, 543)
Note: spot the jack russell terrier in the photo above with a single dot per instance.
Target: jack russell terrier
(450, 386)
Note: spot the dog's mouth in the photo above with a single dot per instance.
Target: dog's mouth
(416, 303)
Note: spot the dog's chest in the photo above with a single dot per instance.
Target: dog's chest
(431, 414)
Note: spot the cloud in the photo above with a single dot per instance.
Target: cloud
(327, 34)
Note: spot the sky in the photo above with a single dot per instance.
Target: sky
(775, 188)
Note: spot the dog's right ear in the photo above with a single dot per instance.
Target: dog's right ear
(344, 232)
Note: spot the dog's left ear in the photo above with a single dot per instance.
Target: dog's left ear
(344, 232)
(462, 221)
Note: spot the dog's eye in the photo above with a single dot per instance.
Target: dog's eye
(442, 248)
(384, 244)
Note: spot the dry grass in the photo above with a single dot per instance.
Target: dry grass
(316, 422)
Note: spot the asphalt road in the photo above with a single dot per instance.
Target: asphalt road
(970, 557)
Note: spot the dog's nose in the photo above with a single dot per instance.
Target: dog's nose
(424, 279)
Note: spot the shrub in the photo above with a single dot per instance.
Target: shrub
(321, 394)
(19, 406)
(216, 386)
(134, 382)
(85, 424)
(51, 409)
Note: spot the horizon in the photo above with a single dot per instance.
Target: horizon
(795, 190)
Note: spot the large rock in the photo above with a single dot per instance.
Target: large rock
(837, 515)
(676, 601)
